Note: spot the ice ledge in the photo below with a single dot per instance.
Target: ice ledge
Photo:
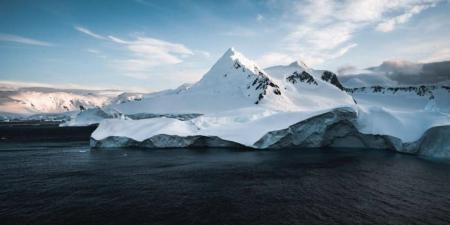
(333, 129)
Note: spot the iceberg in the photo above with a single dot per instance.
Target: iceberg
(238, 104)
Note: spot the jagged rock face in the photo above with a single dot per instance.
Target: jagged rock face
(423, 91)
(332, 79)
(332, 129)
(434, 142)
(304, 77)
(182, 117)
(446, 88)
(261, 84)
(166, 141)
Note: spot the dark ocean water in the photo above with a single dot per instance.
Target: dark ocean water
(66, 183)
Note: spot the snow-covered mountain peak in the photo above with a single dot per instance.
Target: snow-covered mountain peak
(236, 75)
(299, 64)
(228, 53)
(235, 82)
(233, 58)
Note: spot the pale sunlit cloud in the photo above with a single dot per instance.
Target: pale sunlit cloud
(325, 29)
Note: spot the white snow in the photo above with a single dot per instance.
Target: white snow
(408, 125)
(403, 113)
(229, 97)
(244, 126)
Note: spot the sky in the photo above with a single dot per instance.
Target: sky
(145, 45)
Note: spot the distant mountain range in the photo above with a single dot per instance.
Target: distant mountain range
(399, 73)
(36, 100)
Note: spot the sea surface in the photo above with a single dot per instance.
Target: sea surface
(68, 183)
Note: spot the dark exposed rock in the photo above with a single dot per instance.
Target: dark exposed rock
(304, 77)
(262, 83)
(446, 88)
(182, 117)
(331, 78)
(424, 91)
(237, 65)
(259, 81)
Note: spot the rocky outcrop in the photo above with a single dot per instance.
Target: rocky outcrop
(261, 82)
(422, 90)
(182, 117)
(166, 141)
(332, 129)
(434, 142)
(331, 78)
(304, 77)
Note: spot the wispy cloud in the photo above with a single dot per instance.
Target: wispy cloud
(143, 53)
(259, 17)
(320, 30)
(89, 32)
(23, 40)
(117, 40)
(93, 51)
(390, 24)
(442, 54)
(150, 52)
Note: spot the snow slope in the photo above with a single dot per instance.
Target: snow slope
(236, 82)
(308, 89)
(406, 98)
(407, 125)
(233, 82)
(244, 126)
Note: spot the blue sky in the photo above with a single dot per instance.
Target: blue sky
(149, 45)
